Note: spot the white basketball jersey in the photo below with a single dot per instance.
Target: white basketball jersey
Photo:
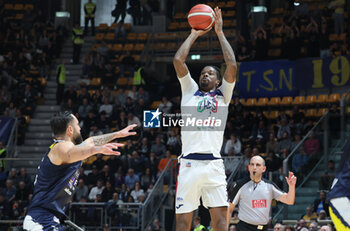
(211, 106)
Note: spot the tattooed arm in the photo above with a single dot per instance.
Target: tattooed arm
(181, 55)
(229, 56)
(66, 152)
(106, 138)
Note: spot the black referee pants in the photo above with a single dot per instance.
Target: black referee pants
(243, 226)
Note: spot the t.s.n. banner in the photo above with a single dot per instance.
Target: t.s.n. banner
(285, 78)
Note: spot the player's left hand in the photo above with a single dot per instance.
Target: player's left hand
(291, 179)
(126, 131)
(218, 20)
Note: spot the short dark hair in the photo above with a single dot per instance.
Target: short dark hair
(218, 72)
(59, 122)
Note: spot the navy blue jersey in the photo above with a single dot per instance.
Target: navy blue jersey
(341, 183)
(54, 185)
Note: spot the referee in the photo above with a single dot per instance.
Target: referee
(254, 195)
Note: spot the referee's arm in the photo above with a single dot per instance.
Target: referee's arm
(230, 209)
(289, 198)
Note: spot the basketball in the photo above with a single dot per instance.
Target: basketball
(201, 17)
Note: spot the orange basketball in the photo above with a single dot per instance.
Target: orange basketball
(201, 17)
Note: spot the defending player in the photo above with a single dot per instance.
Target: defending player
(58, 171)
(339, 196)
(254, 196)
(201, 172)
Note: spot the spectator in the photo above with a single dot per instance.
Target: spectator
(131, 179)
(165, 106)
(97, 190)
(313, 226)
(84, 109)
(146, 179)
(119, 10)
(158, 148)
(272, 144)
(94, 130)
(233, 144)
(273, 162)
(137, 163)
(321, 203)
(285, 142)
(137, 192)
(326, 180)
(99, 162)
(129, 106)
(338, 16)
(9, 191)
(13, 177)
(154, 161)
(103, 50)
(232, 228)
(197, 224)
(284, 127)
(312, 145)
(93, 176)
(89, 10)
(81, 191)
(114, 163)
(22, 193)
(322, 215)
(71, 94)
(124, 193)
(142, 94)
(78, 41)
(261, 43)
(87, 63)
(106, 175)
(133, 120)
(104, 123)
(128, 66)
(309, 214)
(325, 228)
(173, 142)
(106, 107)
(5, 208)
(278, 227)
(120, 99)
(108, 191)
(243, 54)
(324, 42)
(144, 147)
(119, 180)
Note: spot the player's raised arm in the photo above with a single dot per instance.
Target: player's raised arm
(67, 152)
(182, 53)
(229, 56)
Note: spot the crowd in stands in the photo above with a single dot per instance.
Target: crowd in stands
(306, 30)
(29, 46)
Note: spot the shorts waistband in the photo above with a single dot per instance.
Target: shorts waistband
(258, 227)
(200, 156)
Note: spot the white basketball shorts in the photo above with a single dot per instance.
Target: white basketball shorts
(200, 178)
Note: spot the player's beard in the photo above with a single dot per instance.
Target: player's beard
(77, 138)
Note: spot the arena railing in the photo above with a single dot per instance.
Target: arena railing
(344, 110)
(322, 132)
(233, 165)
(11, 146)
(158, 195)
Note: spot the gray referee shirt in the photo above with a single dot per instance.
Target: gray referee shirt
(254, 200)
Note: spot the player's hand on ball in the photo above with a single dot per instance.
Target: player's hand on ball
(291, 179)
(199, 32)
(218, 20)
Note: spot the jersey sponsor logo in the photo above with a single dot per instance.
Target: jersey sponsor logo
(151, 118)
(259, 203)
(179, 199)
(209, 104)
